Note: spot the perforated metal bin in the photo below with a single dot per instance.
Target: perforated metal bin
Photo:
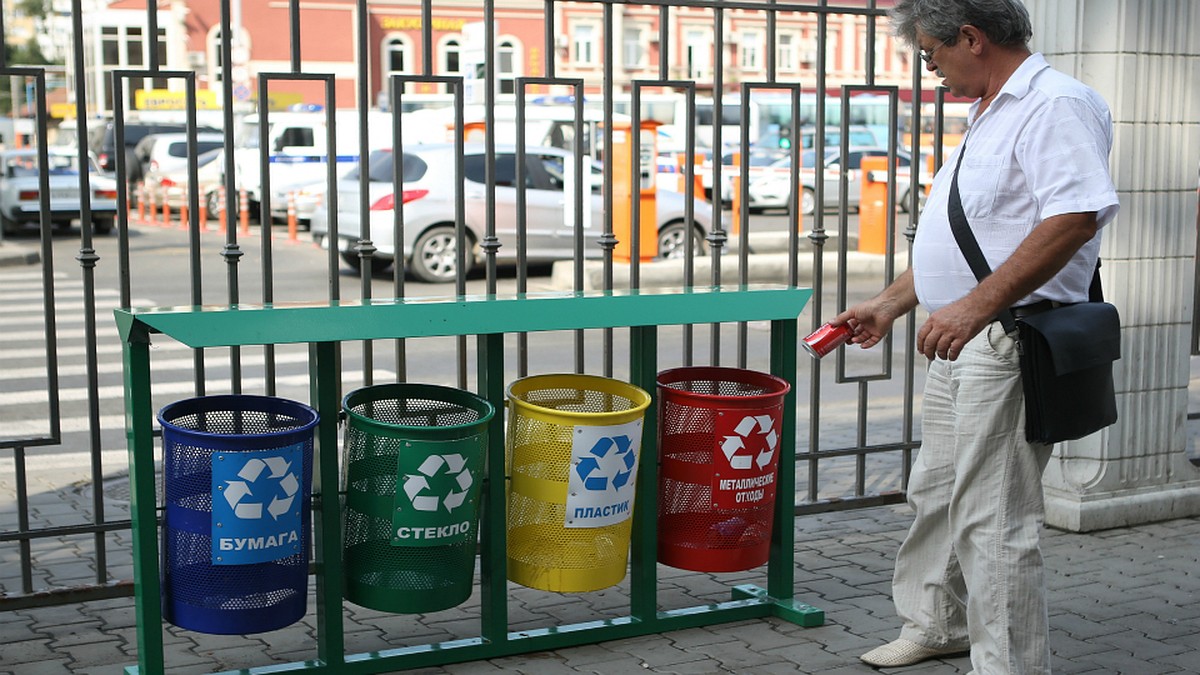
(236, 526)
(413, 470)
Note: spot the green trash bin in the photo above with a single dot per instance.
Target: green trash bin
(413, 470)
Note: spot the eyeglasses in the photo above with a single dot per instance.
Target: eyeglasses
(927, 56)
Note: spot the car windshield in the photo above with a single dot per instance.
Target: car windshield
(380, 166)
(27, 166)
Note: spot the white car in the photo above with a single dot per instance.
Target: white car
(428, 198)
(20, 191)
(172, 184)
(772, 188)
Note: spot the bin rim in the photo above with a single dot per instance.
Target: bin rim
(778, 385)
(450, 394)
(640, 398)
(258, 403)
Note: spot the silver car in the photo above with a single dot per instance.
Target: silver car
(428, 177)
(20, 191)
(772, 187)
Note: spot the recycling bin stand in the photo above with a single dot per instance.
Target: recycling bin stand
(719, 431)
(237, 477)
(572, 445)
(414, 468)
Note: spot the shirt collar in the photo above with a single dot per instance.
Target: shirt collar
(1019, 83)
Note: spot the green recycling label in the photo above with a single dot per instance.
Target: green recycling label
(437, 493)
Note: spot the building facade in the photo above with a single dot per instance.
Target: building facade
(189, 38)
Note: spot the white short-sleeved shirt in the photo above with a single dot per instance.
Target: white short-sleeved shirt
(1039, 150)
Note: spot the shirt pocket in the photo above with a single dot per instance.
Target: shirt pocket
(978, 181)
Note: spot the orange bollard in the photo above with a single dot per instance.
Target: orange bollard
(183, 216)
(221, 218)
(291, 217)
(872, 206)
(141, 205)
(203, 215)
(166, 213)
(244, 211)
(736, 226)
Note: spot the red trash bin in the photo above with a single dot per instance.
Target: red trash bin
(718, 445)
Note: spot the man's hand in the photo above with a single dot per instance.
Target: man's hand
(871, 320)
(949, 329)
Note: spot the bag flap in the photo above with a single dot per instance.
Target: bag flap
(1080, 336)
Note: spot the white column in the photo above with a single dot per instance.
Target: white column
(1144, 58)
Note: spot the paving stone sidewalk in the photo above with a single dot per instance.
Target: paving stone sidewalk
(1122, 601)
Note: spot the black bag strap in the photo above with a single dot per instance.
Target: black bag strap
(974, 255)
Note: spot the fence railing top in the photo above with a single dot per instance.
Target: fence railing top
(377, 319)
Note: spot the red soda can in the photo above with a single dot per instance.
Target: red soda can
(826, 339)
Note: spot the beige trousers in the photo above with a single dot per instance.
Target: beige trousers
(970, 570)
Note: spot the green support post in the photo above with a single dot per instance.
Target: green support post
(493, 537)
(327, 526)
(643, 372)
(139, 421)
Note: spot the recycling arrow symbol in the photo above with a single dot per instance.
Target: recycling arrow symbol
(599, 469)
(236, 492)
(416, 485)
(732, 446)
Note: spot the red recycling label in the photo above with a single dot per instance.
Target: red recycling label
(746, 458)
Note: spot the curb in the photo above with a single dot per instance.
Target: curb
(767, 263)
(12, 255)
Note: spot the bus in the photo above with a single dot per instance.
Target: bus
(670, 110)
(866, 110)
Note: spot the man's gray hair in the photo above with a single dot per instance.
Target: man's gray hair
(1005, 22)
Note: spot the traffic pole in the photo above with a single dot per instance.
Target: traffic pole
(291, 217)
(244, 211)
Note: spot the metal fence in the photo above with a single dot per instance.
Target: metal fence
(857, 415)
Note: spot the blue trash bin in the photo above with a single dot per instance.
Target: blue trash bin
(237, 477)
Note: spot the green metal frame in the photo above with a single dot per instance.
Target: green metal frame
(489, 318)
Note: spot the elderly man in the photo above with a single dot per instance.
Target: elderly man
(1035, 188)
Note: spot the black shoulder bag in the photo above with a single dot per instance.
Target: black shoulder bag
(1066, 351)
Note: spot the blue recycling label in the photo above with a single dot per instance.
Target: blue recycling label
(256, 503)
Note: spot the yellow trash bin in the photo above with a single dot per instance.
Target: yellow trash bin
(573, 443)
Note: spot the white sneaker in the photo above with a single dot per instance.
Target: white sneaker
(903, 652)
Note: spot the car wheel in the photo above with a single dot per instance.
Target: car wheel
(672, 244)
(102, 225)
(808, 201)
(378, 265)
(435, 255)
(213, 205)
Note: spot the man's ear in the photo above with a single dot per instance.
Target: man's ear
(975, 38)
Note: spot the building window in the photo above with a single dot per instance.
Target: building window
(216, 56)
(397, 56)
(698, 54)
(123, 47)
(451, 57)
(508, 67)
(785, 57)
(633, 50)
(750, 50)
(584, 50)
